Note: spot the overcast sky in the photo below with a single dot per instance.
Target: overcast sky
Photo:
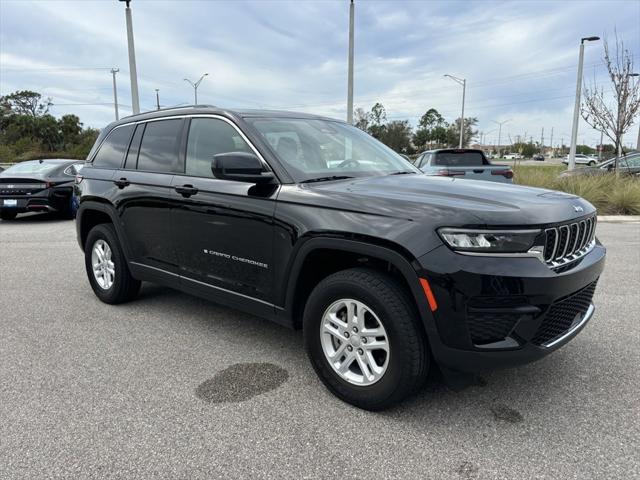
(519, 57)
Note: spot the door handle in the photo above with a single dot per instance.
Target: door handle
(123, 182)
(186, 190)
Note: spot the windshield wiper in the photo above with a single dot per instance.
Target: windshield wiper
(326, 179)
(402, 172)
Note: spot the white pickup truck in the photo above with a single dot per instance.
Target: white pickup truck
(463, 163)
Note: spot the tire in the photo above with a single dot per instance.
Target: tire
(592, 163)
(120, 286)
(4, 215)
(406, 364)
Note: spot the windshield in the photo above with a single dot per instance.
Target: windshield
(31, 167)
(314, 149)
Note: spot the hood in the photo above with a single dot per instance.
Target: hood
(451, 201)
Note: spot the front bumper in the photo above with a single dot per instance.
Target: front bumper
(500, 312)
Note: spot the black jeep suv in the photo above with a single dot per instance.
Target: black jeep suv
(314, 224)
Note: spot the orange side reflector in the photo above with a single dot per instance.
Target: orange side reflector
(429, 294)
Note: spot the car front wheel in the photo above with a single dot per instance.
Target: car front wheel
(107, 268)
(363, 339)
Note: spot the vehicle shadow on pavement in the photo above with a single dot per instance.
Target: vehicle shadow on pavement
(29, 218)
(496, 397)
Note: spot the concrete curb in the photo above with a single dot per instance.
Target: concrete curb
(619, 218)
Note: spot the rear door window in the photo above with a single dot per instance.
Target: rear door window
(159, 150)
(112, 150)
(459, 159)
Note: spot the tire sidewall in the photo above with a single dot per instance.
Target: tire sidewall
(317, 304)
(105, 233)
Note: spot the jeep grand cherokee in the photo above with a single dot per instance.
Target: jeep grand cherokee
(314, 224)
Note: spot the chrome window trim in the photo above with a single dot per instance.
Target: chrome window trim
(191, 115)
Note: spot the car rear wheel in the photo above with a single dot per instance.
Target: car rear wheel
(592, 163)
(107, 268)
(363, 339)
(4, 215)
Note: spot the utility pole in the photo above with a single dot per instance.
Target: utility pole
(463, 82)
(195, 87)
(542, 140)
(115, 92)
(551, 141)
(576, 108)
(157, 99)
(500, 135)
(350, 67)
(135, 101)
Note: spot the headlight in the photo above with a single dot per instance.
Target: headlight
(490, 241)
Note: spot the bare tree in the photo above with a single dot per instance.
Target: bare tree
(614, 116)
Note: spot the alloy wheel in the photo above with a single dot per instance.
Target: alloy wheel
(103, 267)
(354, 342)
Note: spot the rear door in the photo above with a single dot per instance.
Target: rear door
(223, 228)
(145, 195)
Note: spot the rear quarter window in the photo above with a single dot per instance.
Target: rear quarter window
(459, 159)
(111, 152)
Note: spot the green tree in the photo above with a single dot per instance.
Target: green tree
(362, 119)
(378, 118)
(70, 129)
(453, 132)
(397, 136)
(25, 102)
(431, 127)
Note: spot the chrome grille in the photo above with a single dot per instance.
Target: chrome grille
(567, 243)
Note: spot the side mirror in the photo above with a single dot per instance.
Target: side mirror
(239, 167)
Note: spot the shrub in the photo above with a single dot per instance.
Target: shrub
(610, 194)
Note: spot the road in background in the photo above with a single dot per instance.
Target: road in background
(170, 386)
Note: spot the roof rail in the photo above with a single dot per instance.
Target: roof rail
(177, 107)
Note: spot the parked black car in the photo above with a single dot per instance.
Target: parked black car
(314, 224)
(38, 186)
(627, 165)
(539, 157)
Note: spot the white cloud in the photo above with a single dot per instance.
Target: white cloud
(519, 59)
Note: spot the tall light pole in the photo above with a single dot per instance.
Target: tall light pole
(576, 108)
(195, 87)
(463, 82)
(499, 135)
(115, 92)
(350, 72)
(157, 99)
(135, 100)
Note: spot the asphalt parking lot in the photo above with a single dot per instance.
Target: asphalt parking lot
(170, 386)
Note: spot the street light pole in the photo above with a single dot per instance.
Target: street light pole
(576, 108)
(463, 82)
(157, 99)
(195, 87)
(115, 92)
(135, 101)
(350, 67)
(499, 135)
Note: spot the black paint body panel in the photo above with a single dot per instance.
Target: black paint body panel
(244, 245)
